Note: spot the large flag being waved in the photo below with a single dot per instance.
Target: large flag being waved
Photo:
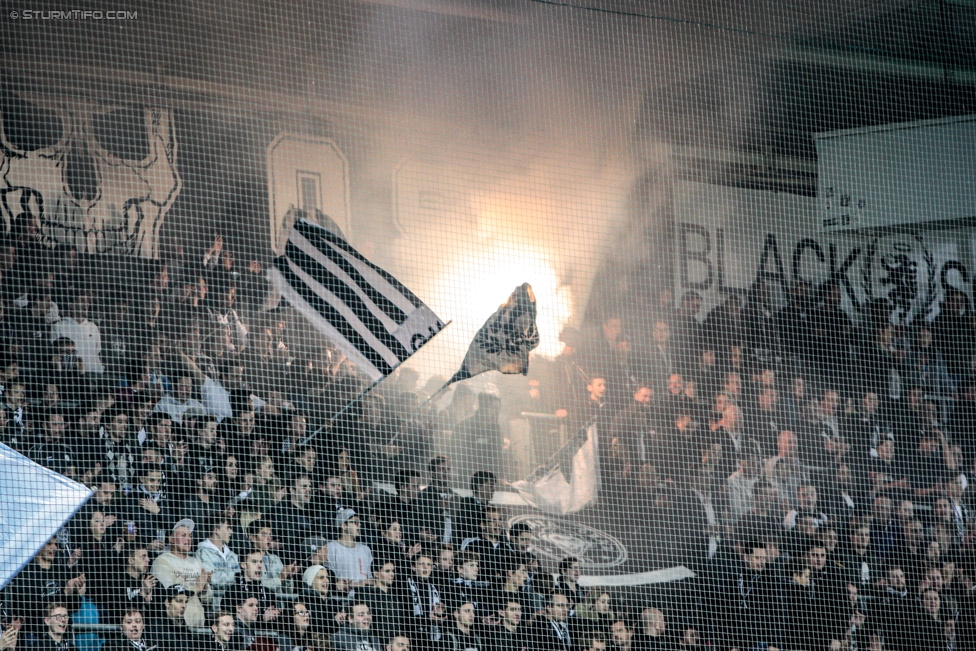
(570, 480)
(34, 503)
(503, 343)
(376, 321)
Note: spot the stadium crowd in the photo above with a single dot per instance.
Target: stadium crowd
(812, 471)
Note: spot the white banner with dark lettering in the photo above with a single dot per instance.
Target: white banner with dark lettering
(728, 238)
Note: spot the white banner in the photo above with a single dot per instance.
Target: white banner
(728, 238)
(34, 503)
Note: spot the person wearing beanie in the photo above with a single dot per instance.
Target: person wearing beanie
(316, 596)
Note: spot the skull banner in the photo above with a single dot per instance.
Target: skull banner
(100, 178)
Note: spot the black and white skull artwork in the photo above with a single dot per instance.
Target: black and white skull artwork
(100, 178)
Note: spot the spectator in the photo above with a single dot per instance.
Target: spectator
(222, 627)
(806, 501)
(597, 612)
(516, 575)
(220, 562)
(749, 613)
(247, 617)
(462, 636)
(349, 560)
(552, 633)
(149, 508)
(55, 637)
(133, 636)
(436, 503)
(169, 629)
(250, 584)
(202, 507)
(471, 510)
(427, 612)
(297, 634)
(386, 604)
(178, 566)
(356, 635)
(861, 566)
(53, 453)
(85, 334)
(567, 582)
(275, 575)
(488, 545)
(134, 586)
(511, 635)
(43, 582)
(296, 519)
(315, 595)
(653, 635)
(181, 401)
(622, 634)
(784, 471)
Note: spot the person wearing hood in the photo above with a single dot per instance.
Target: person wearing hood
(325, 611)
(133, 636)
(219, 559)
(356, 635)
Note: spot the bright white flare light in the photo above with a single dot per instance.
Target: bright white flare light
(476, 283)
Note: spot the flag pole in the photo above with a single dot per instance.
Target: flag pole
(362, 394)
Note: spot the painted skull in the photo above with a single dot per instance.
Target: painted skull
(99, 178)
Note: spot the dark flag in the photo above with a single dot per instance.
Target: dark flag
(505, 340)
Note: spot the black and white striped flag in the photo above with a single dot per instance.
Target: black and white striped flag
(376, 321)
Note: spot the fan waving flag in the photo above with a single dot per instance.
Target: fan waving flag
(376, 321)
(505, 340)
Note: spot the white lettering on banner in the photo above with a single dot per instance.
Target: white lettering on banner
(728, 239)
